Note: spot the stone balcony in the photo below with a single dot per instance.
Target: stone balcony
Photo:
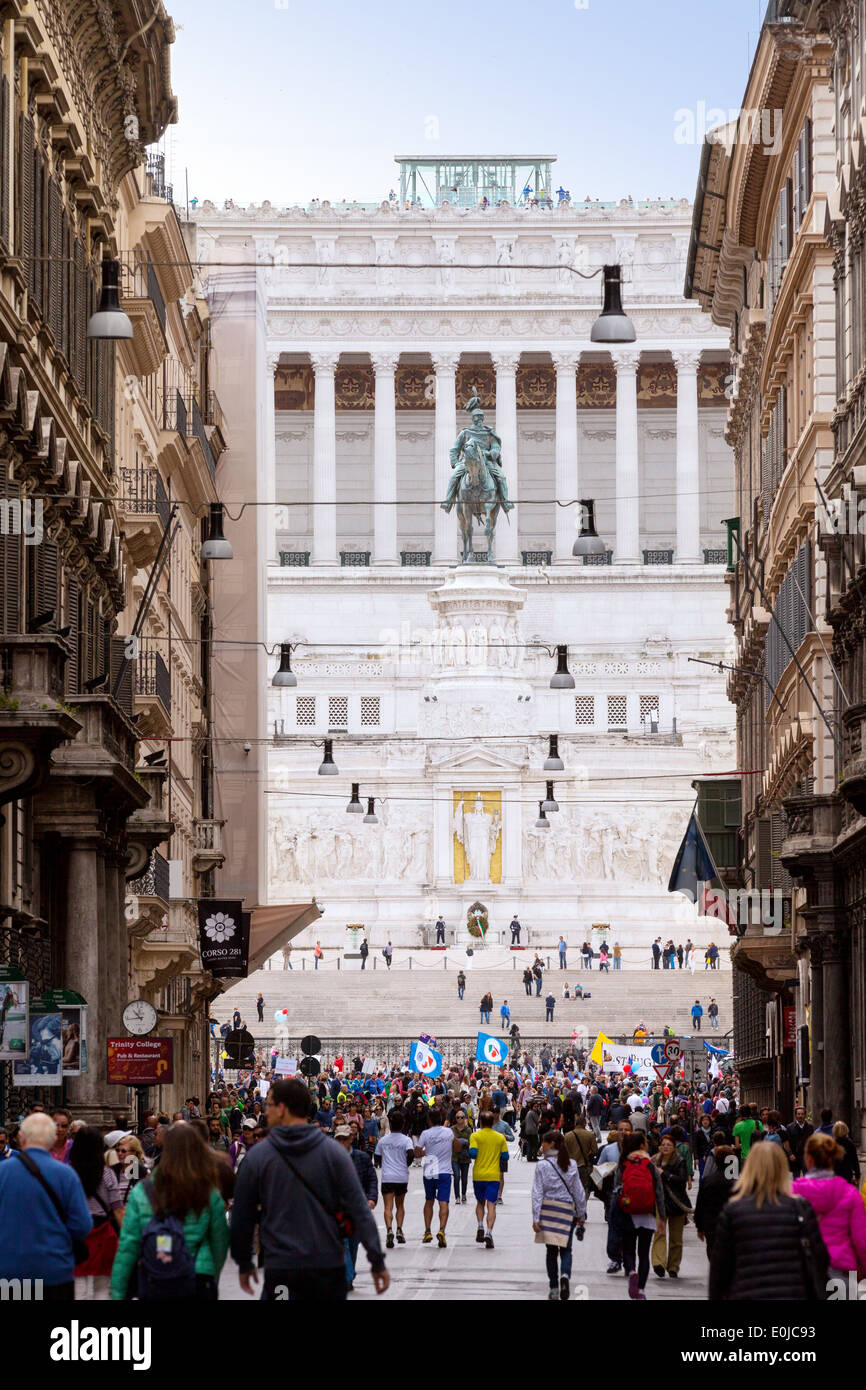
(812, 825)
(852, 782)
(149, 825)
(208, 853)
(33, 718)
(101, 757)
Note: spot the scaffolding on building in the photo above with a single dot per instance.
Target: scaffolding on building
(469, 180)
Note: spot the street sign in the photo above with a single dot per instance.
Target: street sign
(673, 1049)
(140, 1061)
(657, 1055)
(661, 1070)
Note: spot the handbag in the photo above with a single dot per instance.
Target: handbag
(80, 1249)
(556, 1218)
(101, 1242)
(345, 1225)
(816, 1278)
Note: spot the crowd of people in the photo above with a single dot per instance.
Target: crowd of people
(286, 1173)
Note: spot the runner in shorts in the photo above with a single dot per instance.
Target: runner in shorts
(436, 1145)
(395, 1150)
(489, 1148)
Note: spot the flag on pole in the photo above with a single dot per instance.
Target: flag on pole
(597, 1053)
(695, 875)
(490, 1049)
(425, 1060)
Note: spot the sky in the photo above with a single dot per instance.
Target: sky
(294, 99)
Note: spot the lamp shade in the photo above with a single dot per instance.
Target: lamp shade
(327, 767)
(284, 675)
(542, 823)
(612, 325)
(109, 321)
(549, 803)
(588, 541)
(216, 547)
(355, 803)
(371, 818)
(553, 762)
(562, 679)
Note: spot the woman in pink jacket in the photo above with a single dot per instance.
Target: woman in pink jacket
(838, 1206)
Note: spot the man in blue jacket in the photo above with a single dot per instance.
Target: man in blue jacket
(36, 1231)
(697, 1015)
(292, 1185)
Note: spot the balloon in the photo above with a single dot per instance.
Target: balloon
(223, 1055)
(281, 1015)
(626, 1069)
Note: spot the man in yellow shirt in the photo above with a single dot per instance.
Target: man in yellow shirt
(490, 1150)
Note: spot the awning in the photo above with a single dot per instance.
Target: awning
(273, 927)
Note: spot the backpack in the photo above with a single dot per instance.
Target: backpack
(166, 1265)
(638, 1194)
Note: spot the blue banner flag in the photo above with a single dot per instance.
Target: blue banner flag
(425, 1060)
(693, 864)
(490, 1049)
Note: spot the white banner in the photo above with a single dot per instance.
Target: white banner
(616, 1057)
(286, 1066)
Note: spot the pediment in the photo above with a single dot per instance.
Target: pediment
(483, 760)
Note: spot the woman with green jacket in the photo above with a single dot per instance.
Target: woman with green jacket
(185, 1185)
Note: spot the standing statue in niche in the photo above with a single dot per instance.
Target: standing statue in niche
(477, 484)
(477, 831)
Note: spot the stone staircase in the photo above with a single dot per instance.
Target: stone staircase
(401, 1002)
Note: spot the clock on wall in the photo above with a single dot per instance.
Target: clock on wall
(139, 1017)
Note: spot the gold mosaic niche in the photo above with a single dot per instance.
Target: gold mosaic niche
(492, 803)
(414, 387)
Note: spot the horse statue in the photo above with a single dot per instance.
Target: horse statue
(477, 499)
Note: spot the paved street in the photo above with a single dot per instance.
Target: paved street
(514, 1269)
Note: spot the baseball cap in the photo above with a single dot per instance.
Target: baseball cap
(114, 1137)
(250, 1124)
(343, 1132)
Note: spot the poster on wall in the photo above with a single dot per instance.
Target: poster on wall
(14, 1015)
(72, 1008)
(44, 1065)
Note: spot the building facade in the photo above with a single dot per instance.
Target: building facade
(92, 457)
(367, 329)
(775, 257)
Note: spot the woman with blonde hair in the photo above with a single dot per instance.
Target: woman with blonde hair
(768, 1244)
(837, 1205)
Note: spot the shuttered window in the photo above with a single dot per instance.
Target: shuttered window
(24, 210)
(5, 170)
(775, 451)
(11, 549)
(72, 620)
(42, 597)
(791, 615)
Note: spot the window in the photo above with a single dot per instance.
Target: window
(617, 706)
(338, 712)
(649, 708)
(369, 711)
(584, 709)
(305, 711)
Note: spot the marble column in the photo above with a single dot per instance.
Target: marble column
(566, 522)
(324, 460)
(446, 530)
(507, 539)
(85, 970)
(688, 551)
(270, 456)
(384, 460)
(627, 547)
(837, 1028)
(816, 1028)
